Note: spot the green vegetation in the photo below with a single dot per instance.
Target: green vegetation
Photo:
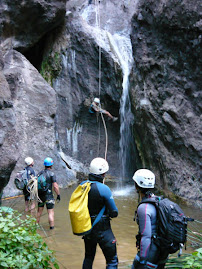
(51, 67)
(186, 261)
(20, 244)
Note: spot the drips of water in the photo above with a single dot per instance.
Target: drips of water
(69, 248)
(72, 139)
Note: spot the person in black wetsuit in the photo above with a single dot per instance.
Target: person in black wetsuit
(101, 234)
(149, 255)
(46, 195)
(29, 205)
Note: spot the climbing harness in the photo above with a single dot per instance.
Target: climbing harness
(97, 2)
(32, 188)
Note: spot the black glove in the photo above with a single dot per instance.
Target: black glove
(58, 198)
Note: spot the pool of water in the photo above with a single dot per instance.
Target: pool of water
(69, 248)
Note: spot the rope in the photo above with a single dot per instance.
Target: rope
(12, 197)
(98, 147)
(32, 188)
(106, 136)
(97, 2)
(100, 55)
(198, 221)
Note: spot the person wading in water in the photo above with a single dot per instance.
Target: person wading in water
(149, 254)
(46, 195)
(29, 205)
(101, 234)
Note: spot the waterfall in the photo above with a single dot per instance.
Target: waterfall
(122, 50)
(120, 47)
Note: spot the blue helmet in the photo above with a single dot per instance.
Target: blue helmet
(48, 161)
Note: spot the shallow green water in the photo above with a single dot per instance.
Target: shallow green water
(70, 248)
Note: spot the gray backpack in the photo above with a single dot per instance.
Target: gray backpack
(21, 179)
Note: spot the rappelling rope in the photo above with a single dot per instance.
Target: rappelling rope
(32, 188)
(97, 2)
(100, 55)
(106, 136)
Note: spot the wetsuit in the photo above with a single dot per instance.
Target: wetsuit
(30, 172)
(47, 195)
(149, 255)
(101, 234)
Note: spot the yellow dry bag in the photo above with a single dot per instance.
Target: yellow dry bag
(78, 210)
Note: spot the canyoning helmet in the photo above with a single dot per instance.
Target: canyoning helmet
(29, 161)
(144, 178)
(97, 100)
(48, 161)
(99, 166)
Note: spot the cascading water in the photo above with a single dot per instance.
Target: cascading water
(122, 49)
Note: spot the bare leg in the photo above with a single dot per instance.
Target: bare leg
(51, 217)
(32, 208)
(109, 115)
(26, 206)
(39, 213)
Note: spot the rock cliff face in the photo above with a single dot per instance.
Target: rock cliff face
(46, 92)
(166, 92)
(23, 23)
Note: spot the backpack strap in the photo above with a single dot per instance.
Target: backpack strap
(99, 216)
(26, 179)
(151, 200)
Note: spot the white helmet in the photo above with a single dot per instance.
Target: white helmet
(29, 160)
(99, 166)
(144, 178)
(97, 100)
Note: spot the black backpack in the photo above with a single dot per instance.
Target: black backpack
(171, 224)
(42, 182)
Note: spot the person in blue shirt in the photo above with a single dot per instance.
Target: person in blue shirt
(149, 254)
(101, 234)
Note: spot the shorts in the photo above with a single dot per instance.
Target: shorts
(50, 202)
(26, 195)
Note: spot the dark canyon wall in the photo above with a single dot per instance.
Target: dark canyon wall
(166, 92)
(46, 92)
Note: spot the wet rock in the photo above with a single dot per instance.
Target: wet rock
(167, 60)
(23, 23)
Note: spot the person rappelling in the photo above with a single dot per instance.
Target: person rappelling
(96, 108)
